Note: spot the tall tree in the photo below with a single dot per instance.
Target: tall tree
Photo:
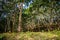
(20, 17)
(20, 6)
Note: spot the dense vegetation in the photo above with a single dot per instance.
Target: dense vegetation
(30, 16)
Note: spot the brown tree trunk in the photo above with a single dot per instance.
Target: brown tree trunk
(20, 18)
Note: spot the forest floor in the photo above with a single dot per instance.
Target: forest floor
(53, 35)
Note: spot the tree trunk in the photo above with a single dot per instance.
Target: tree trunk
(20, 17)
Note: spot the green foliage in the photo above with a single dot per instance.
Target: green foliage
(40, 14)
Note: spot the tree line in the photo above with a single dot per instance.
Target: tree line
(38, 15)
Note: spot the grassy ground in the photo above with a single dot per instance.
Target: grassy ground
(54, 35)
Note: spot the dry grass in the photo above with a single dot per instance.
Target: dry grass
(31, 36)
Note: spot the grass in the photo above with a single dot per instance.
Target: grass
(54, 35)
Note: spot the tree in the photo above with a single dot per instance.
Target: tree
(10, 8)
(46, 10)
(20, 4)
